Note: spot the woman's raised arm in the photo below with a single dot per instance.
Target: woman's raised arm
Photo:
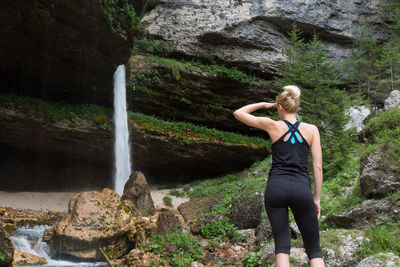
(243, 114)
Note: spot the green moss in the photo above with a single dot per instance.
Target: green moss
(385, 126)
(190, 132)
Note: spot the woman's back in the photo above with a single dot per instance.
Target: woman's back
(290, 155)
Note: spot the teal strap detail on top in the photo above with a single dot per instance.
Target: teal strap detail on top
(293, 133)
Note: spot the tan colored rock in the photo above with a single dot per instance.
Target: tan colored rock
(94, 220)
(168, 222)
(23, 258)
(6, 248)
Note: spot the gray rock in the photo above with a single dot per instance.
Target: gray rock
(263, 233)
(246, 209)
(366, 214)
(339, 246)
(378, 177)
(6, 248)
(252, 33)
(357, 116)
(393, 101)
(380, 260)
(137, 190)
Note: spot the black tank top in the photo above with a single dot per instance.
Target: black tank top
(290, 156)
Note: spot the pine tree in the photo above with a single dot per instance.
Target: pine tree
(322, 104)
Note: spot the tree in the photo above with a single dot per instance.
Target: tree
(322, 103)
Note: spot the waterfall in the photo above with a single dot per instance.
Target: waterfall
(29, 239)
(121, 134)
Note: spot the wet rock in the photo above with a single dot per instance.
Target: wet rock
(263, 233)
(366, 214)
(393, 101)
(380, 260)
(138, 191)
(94, 220)
(6, 248)
(23, 258)
(168, 222)
(196, 264)
(246, 209)
(380, 175)
(357, 116)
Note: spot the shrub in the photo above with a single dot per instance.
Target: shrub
(167, 201)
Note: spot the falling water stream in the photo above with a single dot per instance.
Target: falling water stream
(29, 239)
(121, 139)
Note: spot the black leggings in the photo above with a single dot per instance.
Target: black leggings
(282, 193)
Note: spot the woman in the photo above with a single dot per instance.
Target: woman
(289, 183)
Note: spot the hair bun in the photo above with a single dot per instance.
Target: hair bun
(293, 90)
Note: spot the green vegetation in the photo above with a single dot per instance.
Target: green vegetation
(374, 67)
(35, 108)
(253, 259)
(384, 237)
(191, 133)
(221, 231)
(322, 103)
(2, 257)
(167, 201)
(120, 15)
(188, 248)
(177, 193)
(228, 186)
(384, 127)
(145, 47)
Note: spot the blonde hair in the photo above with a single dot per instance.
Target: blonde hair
(289, 99)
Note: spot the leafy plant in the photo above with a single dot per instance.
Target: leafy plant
(167, 201)
(177, 193)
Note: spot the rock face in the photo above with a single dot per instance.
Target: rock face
(137, 190)
(357, 116)
(366, 214)
(6, 248)
(250, 34)
(94, 220)
(62, 50)
(393, 101)
(33, 146)
(246, 209)
(184, 92)
(380, 174)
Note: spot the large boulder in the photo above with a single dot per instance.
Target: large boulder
(263, 233)
(366, 214)
(94, 220)
(62, 50)
(251, 34)
(246, 208)
(6, 248)
(137, 190)
(380, 173)
(393, 101)
(357, 116)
